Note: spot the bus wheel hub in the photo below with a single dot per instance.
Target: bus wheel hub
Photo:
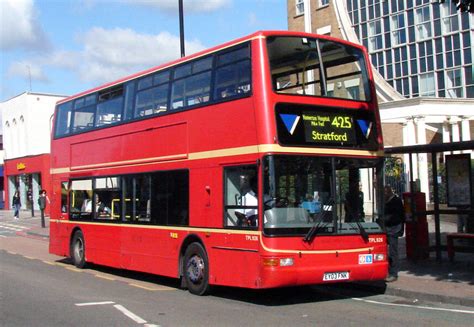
(195, 269)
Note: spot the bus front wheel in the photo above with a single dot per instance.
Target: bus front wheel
(78, 250)
(196, 269)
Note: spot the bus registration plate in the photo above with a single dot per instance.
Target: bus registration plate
(343, 275)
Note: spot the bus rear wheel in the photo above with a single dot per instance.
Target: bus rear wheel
(78, 250)
(196, 269)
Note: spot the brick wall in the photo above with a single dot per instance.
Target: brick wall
(320, 16)
(392, 134)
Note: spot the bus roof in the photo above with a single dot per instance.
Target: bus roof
(258, 34)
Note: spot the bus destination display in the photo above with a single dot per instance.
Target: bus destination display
(321, 127)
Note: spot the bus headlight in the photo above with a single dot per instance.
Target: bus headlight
(285, 262)
(379, 257)
(275, 262)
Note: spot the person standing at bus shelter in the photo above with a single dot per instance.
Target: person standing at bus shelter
(393, 220)
(43, 200)
(16, 201)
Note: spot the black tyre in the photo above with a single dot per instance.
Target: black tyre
(196, 269)
(78, 250)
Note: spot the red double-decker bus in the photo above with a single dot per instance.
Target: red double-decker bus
(240, 165)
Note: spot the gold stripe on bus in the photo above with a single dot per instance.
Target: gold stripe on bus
(165, 228)
(276, 148)
(334, 251)
(131, 162)
(59, 171)
(218, 231)
(252, 149)
(221, 153)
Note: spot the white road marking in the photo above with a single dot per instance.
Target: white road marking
(130, 314)
(415, 306)
(122, 309)
(14, 228)
(94, 303)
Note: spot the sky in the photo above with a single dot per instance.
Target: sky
(64, 47)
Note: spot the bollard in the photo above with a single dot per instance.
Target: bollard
(43, 225)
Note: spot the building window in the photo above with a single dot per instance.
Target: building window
(325, 30)
(371, 10)
(423, 23)
(466, 45)
(299, 7)
(375, 35)
(452, 51)
(449, 17)
(378, 62)
(454, 83)
(400, 61)
(323, 3)
(425, 56)
(397, 5)
(427, 84)
(398, 29)
(469, 81)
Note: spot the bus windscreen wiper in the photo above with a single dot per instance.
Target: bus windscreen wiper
(326, 210)
(363, 232)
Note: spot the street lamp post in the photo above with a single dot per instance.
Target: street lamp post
(181, 27)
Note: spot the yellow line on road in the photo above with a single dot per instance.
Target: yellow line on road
(49, 263)
(31, 258)
(105, 277)
(61, 264)
(74, 269)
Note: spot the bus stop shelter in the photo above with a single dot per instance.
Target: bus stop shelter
(436, 151)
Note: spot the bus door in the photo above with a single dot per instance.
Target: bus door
(242, 220)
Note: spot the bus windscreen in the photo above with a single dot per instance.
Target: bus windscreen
(317, 67)
(301, 192)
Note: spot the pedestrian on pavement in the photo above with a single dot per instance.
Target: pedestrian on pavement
(43, 200)
(16, 204)
(394, 218)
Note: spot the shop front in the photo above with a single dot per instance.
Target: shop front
(2, 191)
(28, 175)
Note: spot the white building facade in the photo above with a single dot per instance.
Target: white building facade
(27, 122)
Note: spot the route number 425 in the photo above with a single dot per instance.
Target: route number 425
(342, 122)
